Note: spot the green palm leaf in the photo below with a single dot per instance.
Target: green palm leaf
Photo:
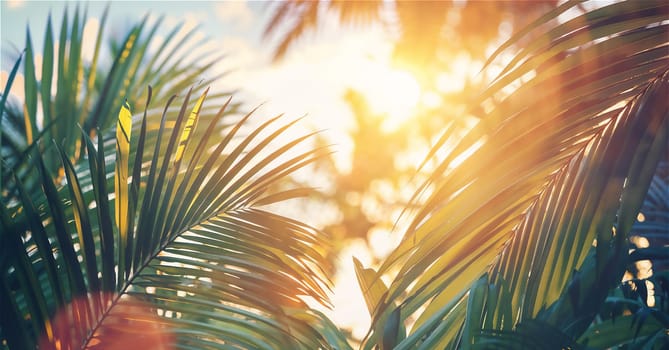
(214, 271)
(87, 93)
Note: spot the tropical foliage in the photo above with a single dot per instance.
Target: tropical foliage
(523, 232)
(525, 242)
(163, 243)
(383, 160)
(72, 89)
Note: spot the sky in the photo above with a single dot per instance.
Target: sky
(310, 81)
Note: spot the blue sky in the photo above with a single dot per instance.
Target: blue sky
(216, 18)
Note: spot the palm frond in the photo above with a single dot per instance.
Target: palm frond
(3, 101)
(73, 90)
(302, 16)
(639, 305)
(201, 265)
(573, 130)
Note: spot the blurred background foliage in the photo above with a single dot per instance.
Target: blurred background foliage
(443, 45)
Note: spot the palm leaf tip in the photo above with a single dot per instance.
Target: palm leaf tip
(190, 125)
(123, 132)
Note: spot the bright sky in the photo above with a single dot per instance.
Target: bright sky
(310, 81)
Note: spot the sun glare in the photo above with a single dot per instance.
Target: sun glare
(395, 94)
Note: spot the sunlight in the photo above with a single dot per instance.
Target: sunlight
(461, 68)
(369, 200)
(460, 158)
(431, 99)
(350, 311)
(90, 38)
(394, 94)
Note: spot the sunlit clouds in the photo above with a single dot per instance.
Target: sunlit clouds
(236, 12)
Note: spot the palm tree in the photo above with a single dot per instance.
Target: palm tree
(525, 242)
(521, 239)
(166, 243)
